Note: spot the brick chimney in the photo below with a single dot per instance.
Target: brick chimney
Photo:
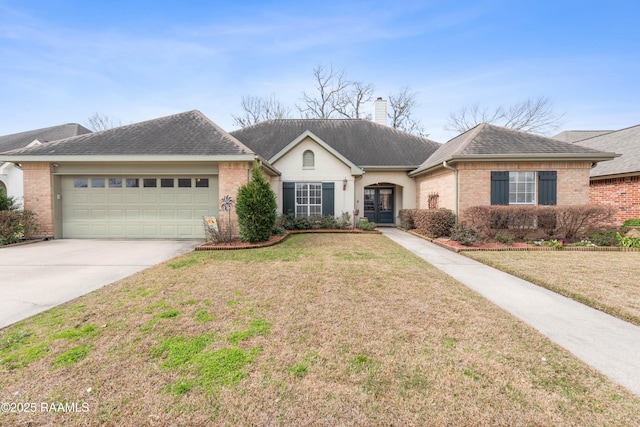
(380, 111)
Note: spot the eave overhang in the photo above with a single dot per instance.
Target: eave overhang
(527, 157)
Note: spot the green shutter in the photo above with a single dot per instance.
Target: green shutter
(499, 188)
(288, 197)
(547, 187)
(327, 199)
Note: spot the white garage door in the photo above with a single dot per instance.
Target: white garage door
(137, 207)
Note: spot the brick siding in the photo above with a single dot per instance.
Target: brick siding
(622, 193)
(38, 190)
(474, 182)
(231, 176)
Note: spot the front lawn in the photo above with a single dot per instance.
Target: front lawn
(323, 329)
(607, 281)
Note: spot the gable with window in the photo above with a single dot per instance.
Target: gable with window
(521, 188)
(308, 198)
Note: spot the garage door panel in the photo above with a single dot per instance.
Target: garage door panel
(139, 212)
(167, 214)
(203, 199)
(149, 199)
(185, 230)
(185, 214)
(185, 199)
(132, 199)
(99, 199)
(98, 214)
(167, 198)
(80, 198)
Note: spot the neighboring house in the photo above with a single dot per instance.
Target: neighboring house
(11, 175)
(329, 167)
(577, 135)
(152, 179)
(491, 165)
(617, 183)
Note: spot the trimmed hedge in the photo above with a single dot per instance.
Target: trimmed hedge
(565, 222)
(434, 222)
(406, 218)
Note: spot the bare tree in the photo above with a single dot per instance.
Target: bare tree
(353, 100)
(402, 106)
(533, 115)
(334, 97)
(256, 109)
(99, 121)
(330, 99)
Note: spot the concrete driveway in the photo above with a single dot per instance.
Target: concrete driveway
(38, 276)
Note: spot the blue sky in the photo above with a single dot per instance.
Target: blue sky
(61, 61)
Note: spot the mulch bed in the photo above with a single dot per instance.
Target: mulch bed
(273, 240)
(518, 246)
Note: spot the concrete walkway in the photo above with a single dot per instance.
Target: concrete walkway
(606, 343)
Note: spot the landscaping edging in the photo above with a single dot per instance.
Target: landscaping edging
(210, 246)
(528, 248)
(24, 242)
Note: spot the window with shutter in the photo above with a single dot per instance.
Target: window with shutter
(547, 187)
(499, 188)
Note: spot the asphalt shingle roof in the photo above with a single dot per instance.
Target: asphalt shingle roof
(578, 135)
(625, 142)
(189, 133)
(363, 142)
(53, 133)
(486, 139)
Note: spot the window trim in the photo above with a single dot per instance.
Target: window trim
(309, 207)
(533, 194)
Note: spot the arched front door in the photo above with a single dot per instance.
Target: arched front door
(378, 204)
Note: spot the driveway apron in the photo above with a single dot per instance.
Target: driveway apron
(38, 276)
(604, 342)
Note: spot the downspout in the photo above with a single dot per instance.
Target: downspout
(455, 187)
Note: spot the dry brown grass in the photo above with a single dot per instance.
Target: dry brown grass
(607, 281)
(360, 332)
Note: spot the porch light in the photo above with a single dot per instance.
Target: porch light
(344, 184)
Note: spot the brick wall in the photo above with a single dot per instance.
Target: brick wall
(440, 182)
(474, 182)
(622, 193)
(231, 176)
(38, 188)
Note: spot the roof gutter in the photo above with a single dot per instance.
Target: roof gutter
(455, 187)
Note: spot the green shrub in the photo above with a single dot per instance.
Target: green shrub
(434, 222)
(633, 222)
(604, 237)
(463, 235)
(628, 242)
(366, 225)
(256, 208)
(503, 238)
(7, 203)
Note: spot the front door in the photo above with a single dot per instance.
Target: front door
(378, 205)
